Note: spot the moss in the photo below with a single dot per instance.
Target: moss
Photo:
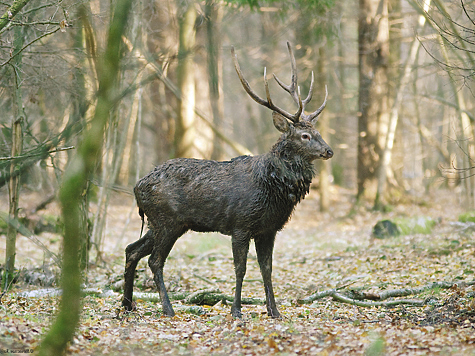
(417, 225)
(468, 216)
(3, 227)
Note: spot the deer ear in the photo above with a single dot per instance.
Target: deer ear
(280, 122)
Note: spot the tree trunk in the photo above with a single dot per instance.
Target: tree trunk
(467, 130)
(214, 15)
(394, 114)
(324, 171)
(73, 185)
(184, 130)
(78, 117)
(17, 147)
(465, 55)
(373, 103)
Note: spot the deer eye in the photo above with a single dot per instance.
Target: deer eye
(306, 137)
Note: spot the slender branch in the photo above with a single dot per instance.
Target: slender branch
(22, 229)
(29, 44)
(448, 103)
(60, 149)
(18, 23)
(41, 7)
(69, 131)
(466, 13)
(207, 280)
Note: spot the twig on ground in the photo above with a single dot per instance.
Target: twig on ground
(207, 280)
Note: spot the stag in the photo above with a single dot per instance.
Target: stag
(248, 197)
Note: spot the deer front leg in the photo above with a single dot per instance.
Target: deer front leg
(264, 249)
(240, 245)
(133, 254)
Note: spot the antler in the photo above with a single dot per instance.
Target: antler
(292, 89)
(267, 103)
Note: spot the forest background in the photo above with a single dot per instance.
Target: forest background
(399, 115)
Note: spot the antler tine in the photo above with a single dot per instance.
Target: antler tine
(307, 99)
(310, 92)
(244, 82)
(267, 103)
(291, 89)
(313, 116)
(266, 85)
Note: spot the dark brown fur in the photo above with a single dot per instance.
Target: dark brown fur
(248, 197)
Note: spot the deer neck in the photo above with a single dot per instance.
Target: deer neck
(289, 175)
(283, 153)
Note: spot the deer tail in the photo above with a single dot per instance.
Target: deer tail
(142, 215)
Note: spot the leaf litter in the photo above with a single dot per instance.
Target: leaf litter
(315, 252)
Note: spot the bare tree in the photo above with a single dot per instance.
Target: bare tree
(184, 129)
(394, 115)
(454, 21)
(373, 52)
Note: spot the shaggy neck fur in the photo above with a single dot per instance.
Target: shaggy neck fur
(287, 172)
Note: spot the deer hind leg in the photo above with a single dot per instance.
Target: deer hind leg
(240, 244)
(162, 248)
(133, 254)
(264, 248)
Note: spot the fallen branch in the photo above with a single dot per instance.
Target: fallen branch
(214, 296)
(403, 292)
(200, 297)
(204, 297)
(317, 295)
(357, 298)
(344, 299)
(341, 298)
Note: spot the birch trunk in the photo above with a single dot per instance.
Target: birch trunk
(394, 115)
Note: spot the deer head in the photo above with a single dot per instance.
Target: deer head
(298, 126)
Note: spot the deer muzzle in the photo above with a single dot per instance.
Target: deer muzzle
(327, 154)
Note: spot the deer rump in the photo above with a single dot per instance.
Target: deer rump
(249, 193)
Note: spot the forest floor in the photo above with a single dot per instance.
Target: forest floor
(315, 251)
